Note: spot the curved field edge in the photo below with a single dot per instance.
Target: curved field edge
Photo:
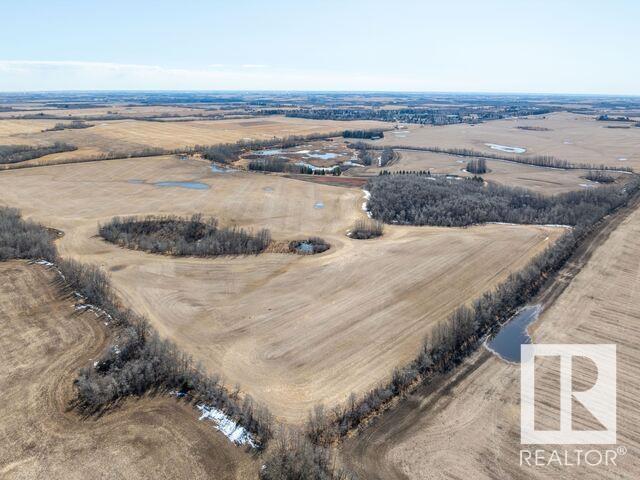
(44, 342)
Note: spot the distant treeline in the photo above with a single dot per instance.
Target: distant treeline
(419, 115)
(424, 200)
(454, 338)
(194, 236)
(22, 153)
(369, 134)
(74, 125)
(536, 160)
(137, 360)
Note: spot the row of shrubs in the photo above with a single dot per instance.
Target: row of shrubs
(194, 236)
(453, 339)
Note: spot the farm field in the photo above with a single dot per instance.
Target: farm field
(292, 331)
(572, 137)
(539, 179)
(44, 341)
(127, 136)
(476, 410)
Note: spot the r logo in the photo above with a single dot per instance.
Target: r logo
(599, 400)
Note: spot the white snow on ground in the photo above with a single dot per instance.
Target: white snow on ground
(506, 148)
(234, 432)
(516, 224)
(367, 197)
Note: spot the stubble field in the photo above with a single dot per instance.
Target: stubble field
(572, 137)
(292, 331)
(127, 136)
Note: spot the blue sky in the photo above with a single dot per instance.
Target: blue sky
(480, 46)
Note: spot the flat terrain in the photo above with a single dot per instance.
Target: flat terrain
(291, 330)
(469, 426)
(126, 136)
(572, 137)
(43, 343)
(543, 180)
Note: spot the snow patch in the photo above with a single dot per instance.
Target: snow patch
(234, 432)
(367, 197)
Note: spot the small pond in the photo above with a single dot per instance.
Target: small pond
(191, 185)
(318, 205)
(506, 344)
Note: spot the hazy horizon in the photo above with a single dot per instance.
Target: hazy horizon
(493, 47)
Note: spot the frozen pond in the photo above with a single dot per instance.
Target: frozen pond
(506, 148)
(506, 344)
(305, 247)
(191, 185)
(322, 156)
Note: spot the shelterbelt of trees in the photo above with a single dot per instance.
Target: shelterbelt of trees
(22, 153)
(193, 236)
(458, 202)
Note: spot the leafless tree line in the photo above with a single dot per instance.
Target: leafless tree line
(22, 153)
(194, 236)
(73, 125)
(428, 200)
